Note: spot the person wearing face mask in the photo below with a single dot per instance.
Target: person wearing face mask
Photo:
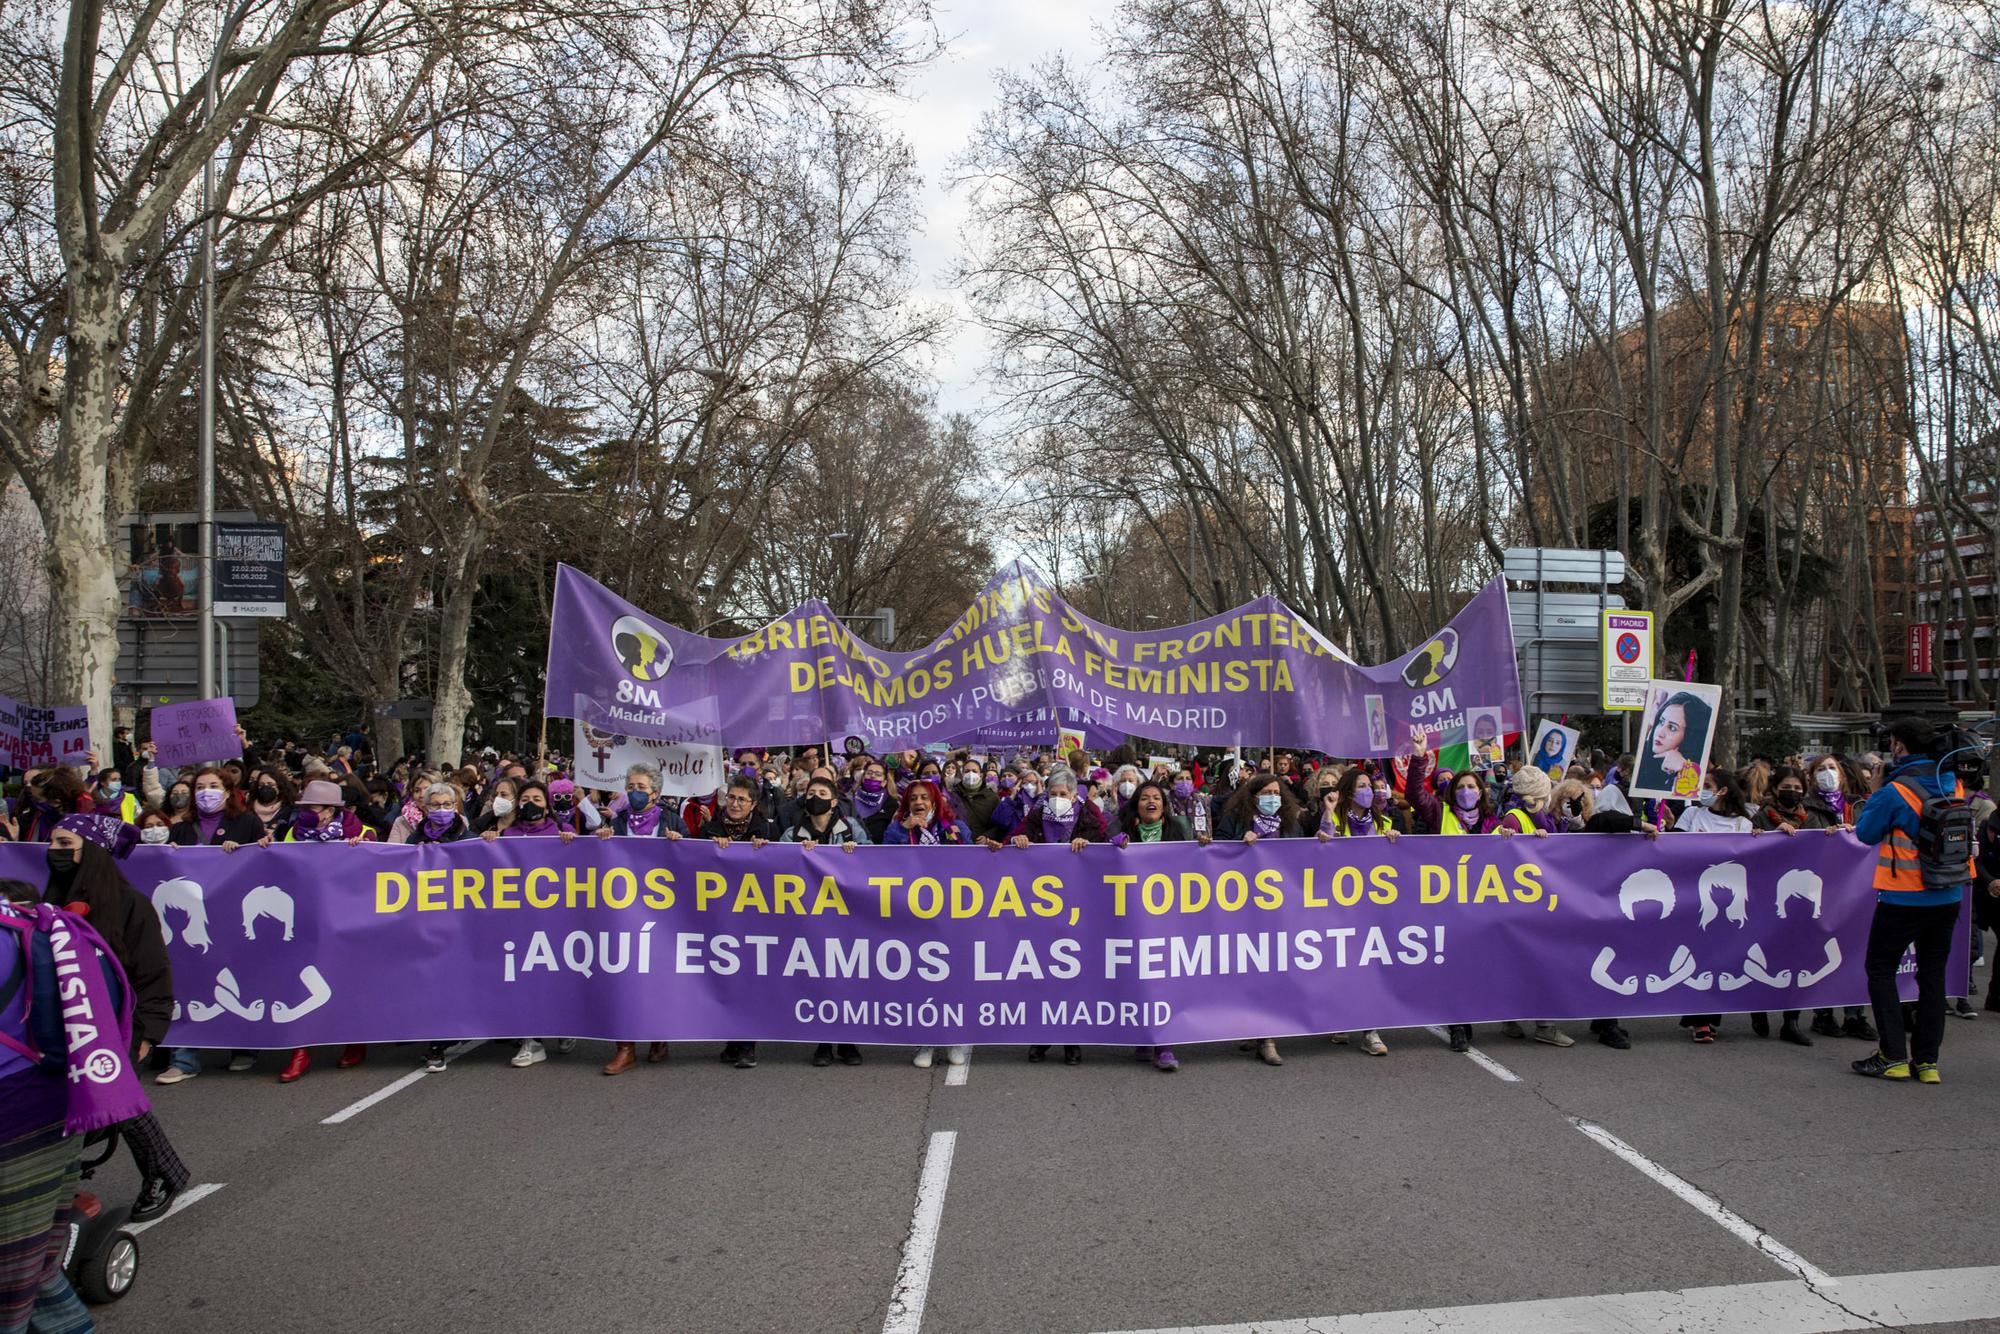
(1007, 812)
(1787, 809)
(1918, 897)
(1574, 808)
(497, 812)
(972, 800)
(1185, 799)
(321, 818)
(1261, 807)
(873, 802)
(1123, 784)
(217, 816)
(1450, 803)
(1837, 783)
(270, 801)
(155, 829)
(1062, 817)
(738, 819)
(925, 820)
(645, 815)
(821, 823)
(439, 818)
(534, 816)
(1347, 810)
(568, 811)
(109, 797)
(83, 856)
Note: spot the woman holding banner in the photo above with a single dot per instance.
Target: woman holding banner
(1261, 807)
(821, 822)
(1062, 818)
(873, 806)
(1837, 783)
(1148, 817)
(924, 820)
(1348, 810)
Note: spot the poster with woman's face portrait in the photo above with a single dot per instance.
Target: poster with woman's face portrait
(1553, 746)
(1486, 736)
(1674, 737)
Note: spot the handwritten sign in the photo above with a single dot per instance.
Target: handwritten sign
(203, 729)
(43, 737)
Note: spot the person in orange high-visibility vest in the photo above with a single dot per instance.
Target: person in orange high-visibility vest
(1908, 911)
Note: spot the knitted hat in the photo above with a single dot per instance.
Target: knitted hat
(1530, 784)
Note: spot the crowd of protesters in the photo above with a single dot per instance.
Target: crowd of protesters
(337, 793)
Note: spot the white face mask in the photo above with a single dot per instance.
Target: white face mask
(1060, 807)
(154, 833)
(503, 806)
(1827, 780)
(1706, 797)
(971, 781)
(1125, 790)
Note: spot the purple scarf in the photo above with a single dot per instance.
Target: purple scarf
(102, 1088)
(643, 823)
(867, 803)
(1266, 826)
(1058, 831)
(307, 827)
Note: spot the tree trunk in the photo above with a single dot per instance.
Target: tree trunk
(83, 570)
(454, 701)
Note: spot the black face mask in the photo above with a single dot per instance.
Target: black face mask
(562, 803)
(1788, 798)
(531, 813)
(267, 792)
(62, 867)
(817, 805)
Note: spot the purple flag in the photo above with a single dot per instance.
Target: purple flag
(202, 729)
(626, 939)
(1257, 675)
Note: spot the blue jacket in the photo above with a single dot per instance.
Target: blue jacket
(1885, 811)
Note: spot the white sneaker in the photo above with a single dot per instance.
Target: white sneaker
(241, 1061)
(957, 1055)
(173, 1074)
(1371, 1042)
(531, 1051)
(922, 1060)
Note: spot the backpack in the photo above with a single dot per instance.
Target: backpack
(1945, 835)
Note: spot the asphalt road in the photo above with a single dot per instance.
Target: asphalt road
(695, 1197)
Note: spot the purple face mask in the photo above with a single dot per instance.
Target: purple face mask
(1465, 798)
(208, 800)
(871, 785)
(1364, 797)
(441, 819)
(1183, 789)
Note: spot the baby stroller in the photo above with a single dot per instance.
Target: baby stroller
(101, 1256)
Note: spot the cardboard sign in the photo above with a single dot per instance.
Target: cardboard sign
(201, 729)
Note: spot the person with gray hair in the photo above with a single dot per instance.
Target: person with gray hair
(644, 813)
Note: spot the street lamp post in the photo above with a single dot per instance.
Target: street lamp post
(205, 449)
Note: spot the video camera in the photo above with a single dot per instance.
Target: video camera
(1957, 750)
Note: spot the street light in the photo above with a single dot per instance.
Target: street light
(205, 448)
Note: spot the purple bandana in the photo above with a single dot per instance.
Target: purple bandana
(106, 831)
(1266, 826)
(102, 1088)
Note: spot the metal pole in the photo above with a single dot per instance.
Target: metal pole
(205, 449)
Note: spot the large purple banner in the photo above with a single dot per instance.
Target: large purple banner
(302, 944)
(1258, 675)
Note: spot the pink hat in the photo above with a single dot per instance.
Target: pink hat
(320, 792)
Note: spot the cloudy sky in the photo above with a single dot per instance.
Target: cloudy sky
(939, 117)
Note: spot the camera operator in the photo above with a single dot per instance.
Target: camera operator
(1920, 821)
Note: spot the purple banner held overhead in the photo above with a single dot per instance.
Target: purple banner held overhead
(202, 729)
(1258, 675)
(303, 944)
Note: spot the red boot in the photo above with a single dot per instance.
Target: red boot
(353, 1054)
(300, 1063)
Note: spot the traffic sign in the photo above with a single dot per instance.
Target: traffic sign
(1628, 659)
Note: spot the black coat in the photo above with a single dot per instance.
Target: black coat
(244, 828)
(130, 926)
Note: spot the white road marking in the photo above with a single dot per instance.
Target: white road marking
(1867, 1301)
(390, 1090)
(956, 1075)
(913, 1276)
(1741, 1227)
(181, 1201)
(1479, 1058)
